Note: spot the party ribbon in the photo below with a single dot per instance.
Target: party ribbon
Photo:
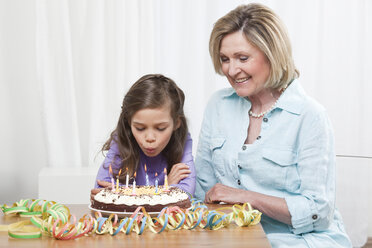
(53, 219)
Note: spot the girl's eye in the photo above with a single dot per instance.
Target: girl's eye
(161, 129)
(140, 129)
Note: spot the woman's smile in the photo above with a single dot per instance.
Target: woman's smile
(242, 80)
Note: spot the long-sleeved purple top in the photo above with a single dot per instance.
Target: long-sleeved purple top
(154, 165)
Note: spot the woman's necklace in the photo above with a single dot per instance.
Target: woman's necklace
(250, 112)
(262, 113)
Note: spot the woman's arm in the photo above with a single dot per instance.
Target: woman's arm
(203, 161)
(311, 207)
(274, 207)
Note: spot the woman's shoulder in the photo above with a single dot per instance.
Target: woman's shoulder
(220, 96)
(223, 93)
(312, 108)
(297, 101)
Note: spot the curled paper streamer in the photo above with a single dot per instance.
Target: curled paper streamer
(53, 219)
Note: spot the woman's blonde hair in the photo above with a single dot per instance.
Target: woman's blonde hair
(263, 29)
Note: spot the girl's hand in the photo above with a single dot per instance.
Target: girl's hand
(178, 172)
(222, 193)
(103, 184)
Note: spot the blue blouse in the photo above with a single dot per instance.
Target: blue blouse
(292, 158)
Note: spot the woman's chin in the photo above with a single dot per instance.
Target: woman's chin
(242, 92)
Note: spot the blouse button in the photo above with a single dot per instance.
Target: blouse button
(239, 166)
(315, 217)
(258, 137)
(244, 147)
(265, 119)
(239, 182)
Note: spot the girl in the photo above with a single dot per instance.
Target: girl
(151, 136)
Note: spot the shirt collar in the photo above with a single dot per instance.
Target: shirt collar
(292, 98)
(227, 92)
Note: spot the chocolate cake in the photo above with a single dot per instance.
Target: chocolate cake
(124, 200)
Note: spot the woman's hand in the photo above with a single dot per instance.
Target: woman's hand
(222, 193)
(273, 206)
(103, 184)
(178, 172)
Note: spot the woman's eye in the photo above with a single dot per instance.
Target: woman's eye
(243, 58)
(140, 128)
(161, 129)
(224, 59)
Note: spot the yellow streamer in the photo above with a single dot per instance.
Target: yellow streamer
(53, 219)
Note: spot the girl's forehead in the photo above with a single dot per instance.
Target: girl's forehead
(153, 115)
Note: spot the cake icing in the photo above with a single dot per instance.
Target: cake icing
(123, 200)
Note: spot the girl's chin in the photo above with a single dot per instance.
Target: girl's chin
(150, 153)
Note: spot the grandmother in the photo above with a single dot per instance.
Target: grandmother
(264, 140)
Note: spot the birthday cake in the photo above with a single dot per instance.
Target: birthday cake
(124, 200)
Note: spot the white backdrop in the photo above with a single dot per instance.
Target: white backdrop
(66, 65)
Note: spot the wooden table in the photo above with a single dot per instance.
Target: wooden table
(232, 236)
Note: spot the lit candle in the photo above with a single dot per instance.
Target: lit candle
(147, 177)
(156, 183)
(117, 182)
(134, 185)
(112, 179)
(127, 179)
(165, 180)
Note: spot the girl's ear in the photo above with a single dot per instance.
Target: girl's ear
(178, 124)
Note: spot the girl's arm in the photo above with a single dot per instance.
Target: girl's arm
(112, 158)
(96, 190)
(183, 175)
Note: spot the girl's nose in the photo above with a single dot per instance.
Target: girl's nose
(150, 137)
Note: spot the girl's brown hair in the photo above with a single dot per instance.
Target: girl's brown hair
(150, 91)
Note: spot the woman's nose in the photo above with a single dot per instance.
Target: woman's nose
(234, 69)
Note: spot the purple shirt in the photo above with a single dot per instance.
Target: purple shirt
(154, 165)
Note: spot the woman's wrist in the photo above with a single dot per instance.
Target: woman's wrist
(249, 197)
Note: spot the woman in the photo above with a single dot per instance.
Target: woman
(264, 141)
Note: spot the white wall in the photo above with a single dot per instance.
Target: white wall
(22, 149)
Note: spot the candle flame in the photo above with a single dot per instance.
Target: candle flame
(110, 169)
(119, 172)
(134, 175)
(145, 168)
(165, 171)
(127, 170)
(156, 174)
